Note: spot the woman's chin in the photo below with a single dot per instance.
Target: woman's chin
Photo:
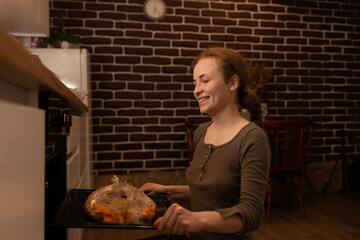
(202, 110)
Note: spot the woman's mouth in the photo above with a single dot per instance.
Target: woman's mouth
(202, 100)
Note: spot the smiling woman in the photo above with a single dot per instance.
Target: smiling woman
(249, 80)
(228, 176)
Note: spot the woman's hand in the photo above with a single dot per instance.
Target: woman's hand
(174, 192)
(153, 188)
(178, 221)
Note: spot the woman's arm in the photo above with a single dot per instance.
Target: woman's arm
(175, 192)
(213, 222)
(178, 220)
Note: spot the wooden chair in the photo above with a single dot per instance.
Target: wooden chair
(290, 142)
(189, 137)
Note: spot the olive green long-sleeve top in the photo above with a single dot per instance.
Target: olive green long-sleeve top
(230, 178)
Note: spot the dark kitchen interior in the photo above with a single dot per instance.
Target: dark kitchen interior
(141, 75)
(142, 95)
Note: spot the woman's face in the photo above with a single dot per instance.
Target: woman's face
(211, 91)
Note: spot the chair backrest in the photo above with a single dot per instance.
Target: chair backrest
(290, 142)
(190, 138)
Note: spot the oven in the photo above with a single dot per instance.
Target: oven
(58, 122)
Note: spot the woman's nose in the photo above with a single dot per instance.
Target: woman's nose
(197, 89)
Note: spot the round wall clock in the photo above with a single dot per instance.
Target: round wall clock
(155, 9)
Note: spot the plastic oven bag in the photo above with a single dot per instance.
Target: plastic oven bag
(120, 203)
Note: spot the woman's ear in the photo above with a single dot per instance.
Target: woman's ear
(234, 82)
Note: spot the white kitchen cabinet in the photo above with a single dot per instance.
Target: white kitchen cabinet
(22, 170)
(73, 170)
(78, 161)
(78, 152)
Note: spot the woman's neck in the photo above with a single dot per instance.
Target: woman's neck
(228, 118)
(224, 127)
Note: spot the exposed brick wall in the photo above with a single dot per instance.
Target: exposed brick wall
(142, 81)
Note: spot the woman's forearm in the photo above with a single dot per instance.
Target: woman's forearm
(177, 192)
(211, 221)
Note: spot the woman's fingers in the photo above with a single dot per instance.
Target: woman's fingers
(150, 188)
(176, 228)
(157, 222)
(165, 218)
(183, 222)
(173, 221)
(145, 187)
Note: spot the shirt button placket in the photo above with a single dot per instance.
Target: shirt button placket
(202, 164)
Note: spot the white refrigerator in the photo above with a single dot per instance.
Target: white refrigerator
(71, 66)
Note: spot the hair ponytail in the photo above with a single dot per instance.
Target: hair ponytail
(247, 99)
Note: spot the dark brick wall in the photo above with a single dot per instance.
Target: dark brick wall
(142, 81)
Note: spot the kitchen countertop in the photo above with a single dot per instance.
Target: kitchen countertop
(25, 70)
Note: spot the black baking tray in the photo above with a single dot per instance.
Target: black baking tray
(71, 213)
